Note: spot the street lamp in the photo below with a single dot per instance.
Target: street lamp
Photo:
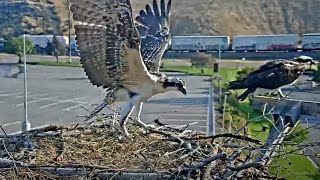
(26, 125)
(69, 14)
(243, 59)
(224, 107)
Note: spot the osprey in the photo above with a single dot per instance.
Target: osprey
(123, 55)
(270, 76)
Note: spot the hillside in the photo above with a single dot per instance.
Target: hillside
(189, 17)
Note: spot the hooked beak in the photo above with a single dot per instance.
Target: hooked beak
(183, 90)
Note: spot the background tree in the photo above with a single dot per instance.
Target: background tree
(49, 49)
(202, 60)
(59, 48)
(15, 46)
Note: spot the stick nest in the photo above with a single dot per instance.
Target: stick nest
(97, 151)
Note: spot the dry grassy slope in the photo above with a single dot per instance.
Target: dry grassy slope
(207, 17)
(219, 17)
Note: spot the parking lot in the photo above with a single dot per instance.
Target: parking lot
(56, 95)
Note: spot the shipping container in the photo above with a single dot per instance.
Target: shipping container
(280, 42)
(310, 41)
(200, 43)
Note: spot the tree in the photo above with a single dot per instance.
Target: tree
(49, 49)
(15, 46)
(202, 60)
(59, 48)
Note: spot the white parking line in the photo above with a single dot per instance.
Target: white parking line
(10, 94)
(9, 124)
(72, 107)
(38, 100)
(61, 101)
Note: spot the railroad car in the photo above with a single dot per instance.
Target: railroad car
(200, 43)
(310, 41)
(278, 42)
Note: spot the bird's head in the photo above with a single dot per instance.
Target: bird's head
(175, 84)
(305, 59)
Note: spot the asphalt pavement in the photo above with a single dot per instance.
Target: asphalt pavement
(56, 94)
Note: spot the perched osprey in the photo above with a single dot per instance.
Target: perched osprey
(123, 55)
(271, 76)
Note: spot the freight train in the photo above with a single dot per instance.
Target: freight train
(240, 43)
(237, 43)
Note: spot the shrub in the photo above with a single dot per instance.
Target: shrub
(202, 60)
(15, 46)
(244, 72)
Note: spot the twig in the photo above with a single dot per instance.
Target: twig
(202, 164)
(225, 136)
(246, 166)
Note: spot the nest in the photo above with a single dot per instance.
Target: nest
(96, 151)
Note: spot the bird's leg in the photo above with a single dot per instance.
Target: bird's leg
(126, 112)
(281, 94)
(136, 116)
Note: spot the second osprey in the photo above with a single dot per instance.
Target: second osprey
(272, 76)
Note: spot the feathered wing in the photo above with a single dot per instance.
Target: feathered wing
(108, 42)
(154, 27)
(269, 65)
(270, 76)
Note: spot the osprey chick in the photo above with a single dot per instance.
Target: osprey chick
(122, 55)
(271, 76)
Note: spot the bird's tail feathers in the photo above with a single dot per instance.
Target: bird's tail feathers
(236, 85)
(244, 95)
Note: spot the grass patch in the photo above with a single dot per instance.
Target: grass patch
(300, 166)
(47, 63)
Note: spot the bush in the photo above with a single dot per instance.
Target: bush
(15, 46)
(202, 60)
(244, 72)
(299, 135)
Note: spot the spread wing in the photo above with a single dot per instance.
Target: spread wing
(271, 75)
(108, 42)
(271, 65)
(153, 26)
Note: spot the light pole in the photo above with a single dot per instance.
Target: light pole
(243, 59)
(26, 125)
(211, 116)
(224, 107)
(219, 51)
(69, 13)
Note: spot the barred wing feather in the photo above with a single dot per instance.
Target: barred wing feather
(108, 42)
(153, 26)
